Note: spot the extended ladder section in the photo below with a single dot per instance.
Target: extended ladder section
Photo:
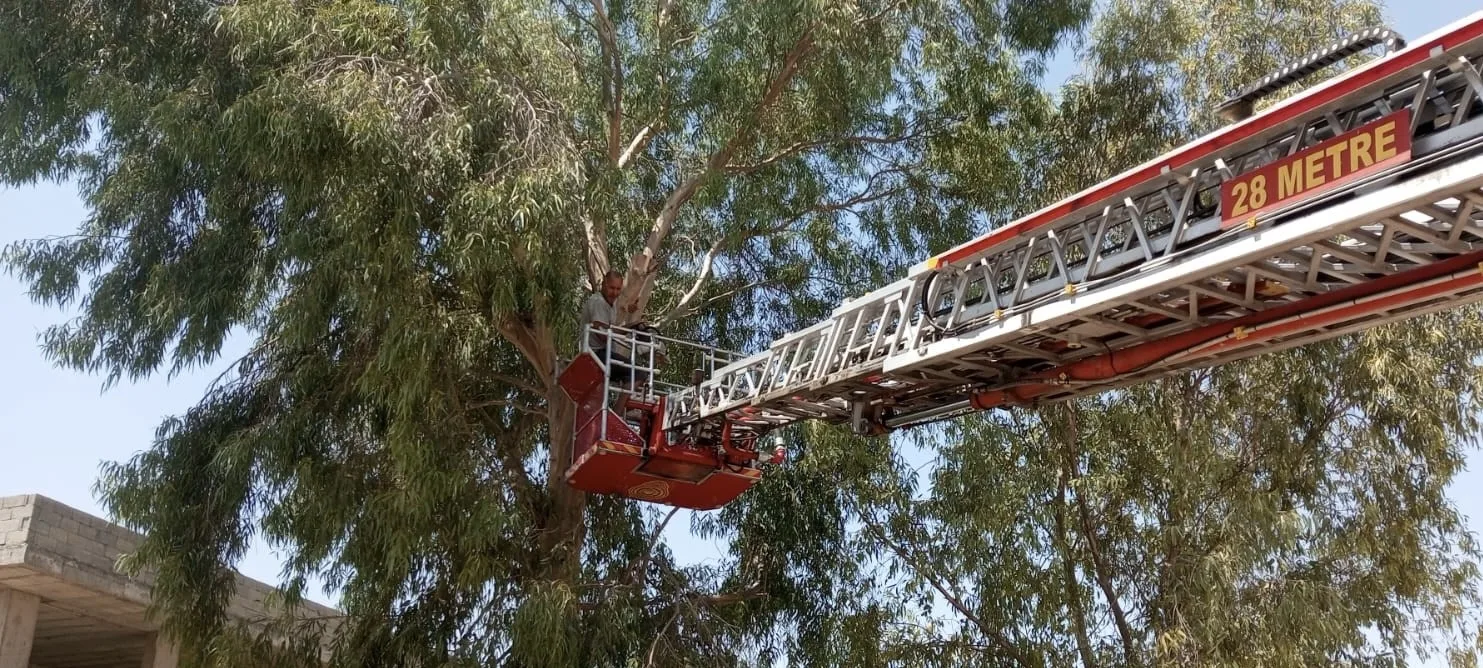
(1351, 204)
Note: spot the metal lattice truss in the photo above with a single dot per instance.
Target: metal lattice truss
(1144, 259)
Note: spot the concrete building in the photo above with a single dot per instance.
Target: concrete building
(63, 604)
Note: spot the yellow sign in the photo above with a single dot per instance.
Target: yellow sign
(1343, 159)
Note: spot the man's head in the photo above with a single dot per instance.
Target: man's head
(612, 284)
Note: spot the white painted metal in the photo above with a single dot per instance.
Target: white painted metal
(1262, 243)
(1088, 282)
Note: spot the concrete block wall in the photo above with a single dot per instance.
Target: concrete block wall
(76, 548)
(52, 538)
(15, 525)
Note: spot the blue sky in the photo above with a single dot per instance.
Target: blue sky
(57, 425)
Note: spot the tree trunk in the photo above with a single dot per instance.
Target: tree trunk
(1071, 471)
(564, 531)
(562, 528)
(1068, 571)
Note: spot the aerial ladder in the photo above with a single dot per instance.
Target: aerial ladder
(1348, 205)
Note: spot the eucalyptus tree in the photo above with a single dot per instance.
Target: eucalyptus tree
(1290, 509)
(400, 204)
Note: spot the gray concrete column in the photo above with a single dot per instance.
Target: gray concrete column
(159, 652)
(17, 627)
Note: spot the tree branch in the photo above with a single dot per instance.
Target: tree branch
(1099, 564)
(690, 597)
(865, 196)
(1068, 568)
(661, 17)
(637, 572)
(653, 646)
(643, 270)
(508, 465)
(639, 140)
(522, 384)
(597, 249)
(705, 273)
(1001, 642)
(1104, 581)
(527, 342)
(882, 13)
(685, 305)
(748, 594)
(799, 147)
(508, 403)
(752, 286)
(613, 82)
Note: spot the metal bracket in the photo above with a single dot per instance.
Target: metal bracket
(1241, 105)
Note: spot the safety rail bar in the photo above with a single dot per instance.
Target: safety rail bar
(617, 346)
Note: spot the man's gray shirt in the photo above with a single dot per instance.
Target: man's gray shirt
(597, 309)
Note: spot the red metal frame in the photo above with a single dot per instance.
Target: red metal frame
(1286, 111)
(647, 467)
(1403, 287)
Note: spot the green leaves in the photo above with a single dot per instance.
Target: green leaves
(401, 204)
(1288, 509)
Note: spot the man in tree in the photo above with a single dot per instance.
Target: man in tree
(374, 192)
(601, 312)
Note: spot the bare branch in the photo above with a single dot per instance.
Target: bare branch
(742, 596)
(848, 203)
(705, 273)
(691, 597)
(643, 562)
(687, 304)
(1002, 642)
(642, 271)
(1068, 571)
(507, 465)
(644, 268)
(750, 286)
(865, 196)
(597, 248)
(882, 13)
(654, 646)
(802, 146)
(613, 83)
(522, 384)
(639, 140)
(1104, 581)
(661, 18)
(508, 403)
(1099, 564)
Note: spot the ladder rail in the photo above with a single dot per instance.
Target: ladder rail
(1243, 250)
(883, 344)
(1392, 74)
(1136, 231)
(1202, 234)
